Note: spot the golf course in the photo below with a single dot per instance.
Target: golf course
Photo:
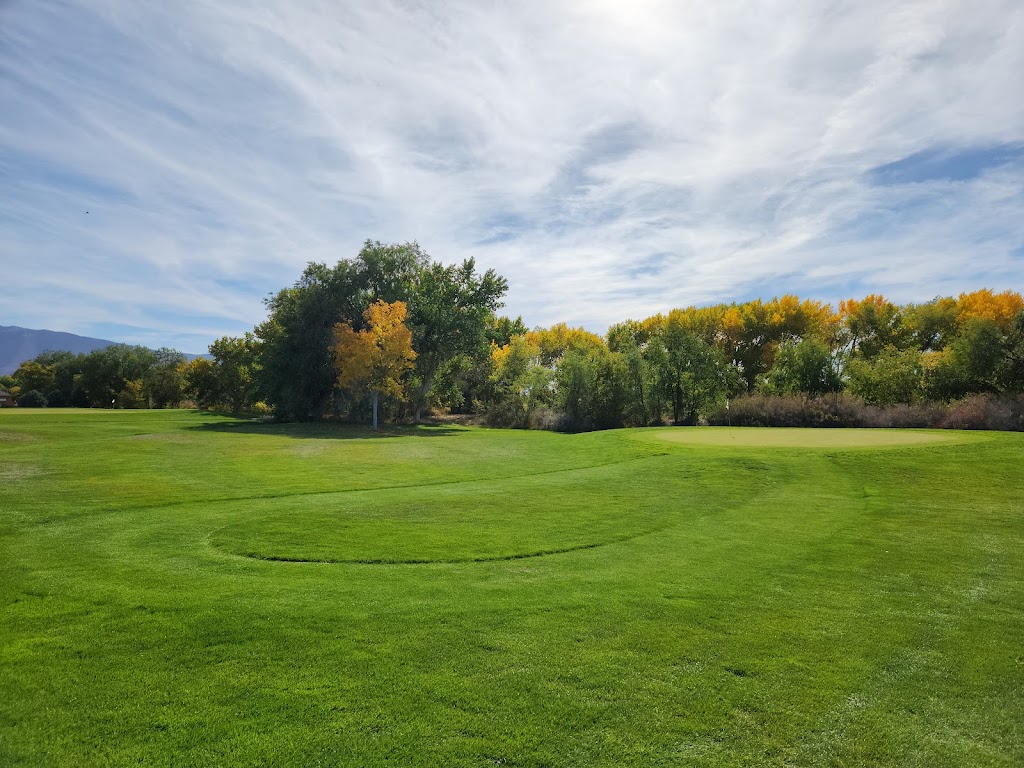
(179, 588)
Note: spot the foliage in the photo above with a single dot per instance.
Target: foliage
(119, 376)
(375, 359)
(201, 382)
(452, 308)
(35, 375)
(236, 370)
(32, 399)
(296, 371)
(694, 372)
(164, 381)
(931, 325)
(806, 366)
(520, 383)
(590, 388)
(1001, 309)
(450, 311)
(870, 325)
(891, 376)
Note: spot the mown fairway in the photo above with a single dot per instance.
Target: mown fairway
(183, 589)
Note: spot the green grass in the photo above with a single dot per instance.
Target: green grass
(181, 589)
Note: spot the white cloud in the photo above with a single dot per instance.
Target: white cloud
(610, 159)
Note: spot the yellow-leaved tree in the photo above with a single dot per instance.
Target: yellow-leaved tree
(374, 359)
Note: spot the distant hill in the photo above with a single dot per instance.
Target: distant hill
(20, 344)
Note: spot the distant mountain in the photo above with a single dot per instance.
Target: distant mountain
(20, 344)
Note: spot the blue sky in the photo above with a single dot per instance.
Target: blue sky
(165, 166)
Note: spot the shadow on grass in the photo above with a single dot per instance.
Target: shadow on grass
(323, 430)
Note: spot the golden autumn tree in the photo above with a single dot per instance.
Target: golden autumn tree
(374, 359)
(998, 308)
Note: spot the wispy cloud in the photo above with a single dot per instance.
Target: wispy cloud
(165, 166)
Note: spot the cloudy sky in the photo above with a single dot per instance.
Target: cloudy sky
(164, 166)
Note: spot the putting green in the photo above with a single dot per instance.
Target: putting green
(782, 437)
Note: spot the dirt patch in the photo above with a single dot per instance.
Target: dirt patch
(13, 473)
(310, 449)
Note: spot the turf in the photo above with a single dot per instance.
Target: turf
(784, 437)
(184, 589)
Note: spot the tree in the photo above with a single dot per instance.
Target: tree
(35, 375)
(1013, 355)
(556, 341)
(451, 309)
(871, 324)
(464, 383)
(629, 340)
(999, 308)
(931, 325)
(164, 381)
(591, 388)
(802, 367)
(374, 359)
(891, 376)
(236, 370)
(32, 399)
(113, 376)
(521, 384)
(979, 352)
(201, 382)
(296, 372)
(696, 373)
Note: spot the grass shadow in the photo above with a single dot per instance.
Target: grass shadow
(324, 430)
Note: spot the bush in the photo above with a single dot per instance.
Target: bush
(917, 416)
(986, 412)
(790, 411)
(57, 399)
(827, 411)
(32, 399)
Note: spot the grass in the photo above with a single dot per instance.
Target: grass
(184, 589)
(788, 437)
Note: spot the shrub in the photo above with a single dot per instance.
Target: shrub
(1004, 413)
(827, 411)
(32, 399)
(790, 411)
(916, 416)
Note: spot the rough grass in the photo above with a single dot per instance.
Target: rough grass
(566, 600)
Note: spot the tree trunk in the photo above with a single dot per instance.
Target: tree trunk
(428, 381)
(375, 396)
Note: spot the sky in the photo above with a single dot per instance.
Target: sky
(166, 166)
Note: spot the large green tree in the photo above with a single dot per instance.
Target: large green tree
(696, 373)
(806, 367)
(449, 311)
(891, 376)
(296, 371)
(236, 369)
(451, 314)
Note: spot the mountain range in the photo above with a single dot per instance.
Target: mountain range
(20, 344)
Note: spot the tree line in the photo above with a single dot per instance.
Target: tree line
(392, 333)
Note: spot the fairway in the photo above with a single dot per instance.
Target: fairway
(783, 437)
(181, 588)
